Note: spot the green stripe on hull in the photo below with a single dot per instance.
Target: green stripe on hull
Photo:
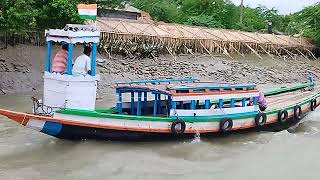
(289, 88)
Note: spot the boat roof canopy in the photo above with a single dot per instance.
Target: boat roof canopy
(74, 33)
(174, 86)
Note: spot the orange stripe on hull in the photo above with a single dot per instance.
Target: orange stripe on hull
(23, 118)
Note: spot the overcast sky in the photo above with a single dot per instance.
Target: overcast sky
(283, 6)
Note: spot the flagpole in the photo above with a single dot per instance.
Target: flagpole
(241, 11)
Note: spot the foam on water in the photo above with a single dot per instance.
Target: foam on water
(196, 138)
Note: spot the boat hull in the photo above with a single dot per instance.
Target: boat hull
(73, 132)
(136, 128)
(76, 132)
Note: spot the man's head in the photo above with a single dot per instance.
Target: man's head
(87, 50)
(65, 47)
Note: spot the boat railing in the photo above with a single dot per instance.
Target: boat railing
(160, 81)
(210, 88)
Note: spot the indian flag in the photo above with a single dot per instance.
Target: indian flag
(87, 11)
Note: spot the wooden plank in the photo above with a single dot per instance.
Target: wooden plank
(288, 52)
(311, 53)
(255, 52)
(302, 54)
(266, 51)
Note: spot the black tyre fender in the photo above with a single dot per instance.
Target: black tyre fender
(175, 130)
(313, 104)
(226, 124)
(283, 116)
(259, 121)
(297, 113)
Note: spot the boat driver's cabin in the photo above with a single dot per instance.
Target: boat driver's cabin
(185, 98)
(65, 90)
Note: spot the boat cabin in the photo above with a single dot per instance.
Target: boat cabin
(185, 98)
(65, 90)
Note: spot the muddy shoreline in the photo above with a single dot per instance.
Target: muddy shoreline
(21, 69)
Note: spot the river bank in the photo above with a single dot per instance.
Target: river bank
(21, 69)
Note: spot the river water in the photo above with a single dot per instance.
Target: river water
(27, 154)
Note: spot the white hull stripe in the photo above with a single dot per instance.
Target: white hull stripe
(214, 96)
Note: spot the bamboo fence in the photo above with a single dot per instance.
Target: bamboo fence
(135, 38)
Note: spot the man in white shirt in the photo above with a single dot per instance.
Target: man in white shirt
(82, 65)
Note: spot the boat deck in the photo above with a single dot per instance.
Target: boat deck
(289, 98)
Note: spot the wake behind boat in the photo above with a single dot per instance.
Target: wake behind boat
(155, 109)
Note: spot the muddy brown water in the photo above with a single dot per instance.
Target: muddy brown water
(27, 154)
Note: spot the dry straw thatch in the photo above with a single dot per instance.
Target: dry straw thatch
(136, 38)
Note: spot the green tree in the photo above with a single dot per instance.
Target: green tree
(57, 13)
(18, 15)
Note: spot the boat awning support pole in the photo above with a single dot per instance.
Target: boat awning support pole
(155, 103)
(169, 104)
(132, 103)
(139, 104)
(48, 56)
(159, 103)
(255, 100)
(69, 63)
(244, 102)
(207, 104)
(232, 102)
(174, 104)
(119, 103)
(145, 99)
(220, 105)
(193, 104)
(93, 59)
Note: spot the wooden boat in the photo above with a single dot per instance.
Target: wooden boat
(156, 109)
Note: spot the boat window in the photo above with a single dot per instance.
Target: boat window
(200, 104)
(199, 90)
(239, 89)
(214, 90)
(227, 89)
(182, 91)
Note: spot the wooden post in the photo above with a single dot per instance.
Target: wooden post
(266, 51)
(171, 53)
(238, 51)
(255, 52)
(288, 52)
(311, 53)
(222, 50)
(279, 55)
(302, 54)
